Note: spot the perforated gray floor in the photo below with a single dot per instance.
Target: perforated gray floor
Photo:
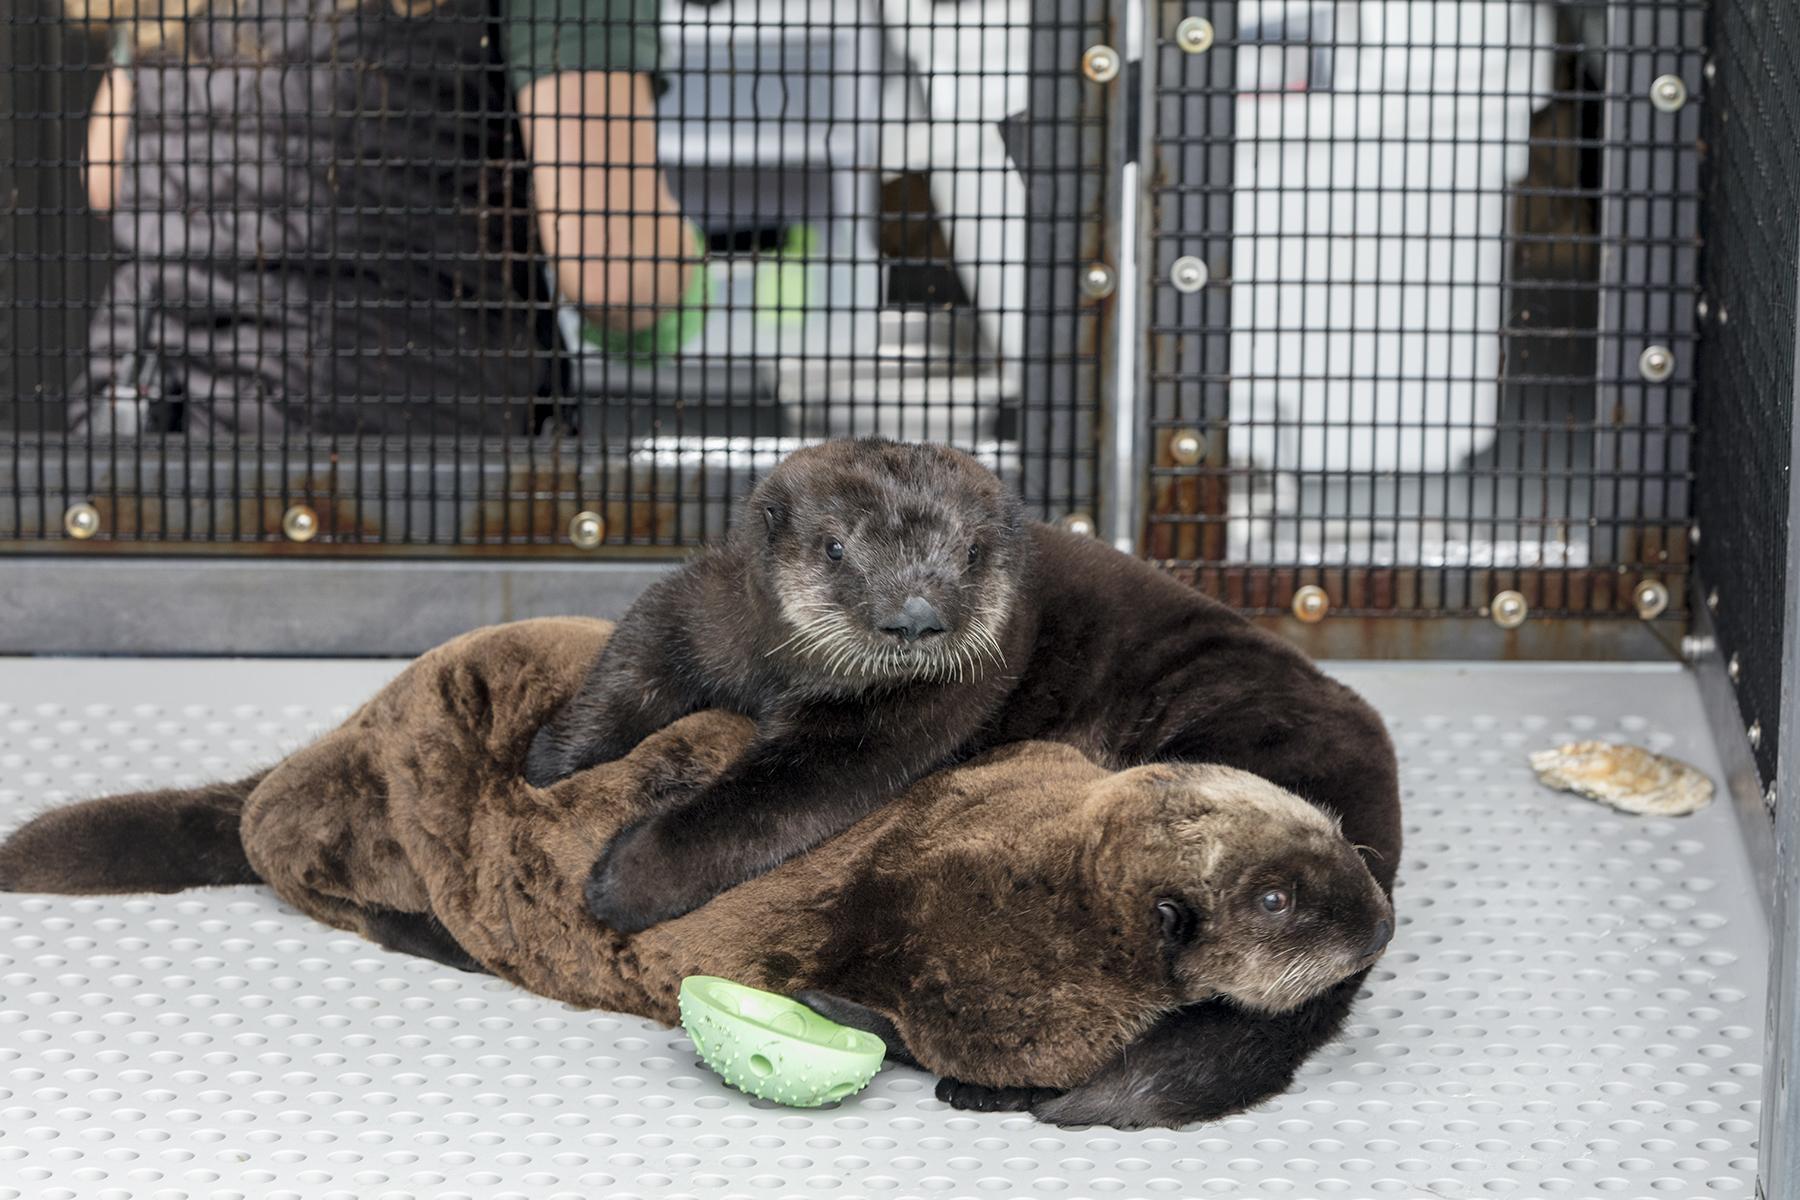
(1572, 1006)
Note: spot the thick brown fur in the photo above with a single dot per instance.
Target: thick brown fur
(1001, 917)
(1096, 649)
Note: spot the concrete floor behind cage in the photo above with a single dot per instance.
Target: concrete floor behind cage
(1572, 1006)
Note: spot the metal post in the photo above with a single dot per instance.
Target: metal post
(1123, 468)
(1778, 1169)
(1649, 244)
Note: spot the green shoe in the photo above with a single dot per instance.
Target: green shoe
(675, 327)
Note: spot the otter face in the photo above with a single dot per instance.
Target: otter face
(889, 562)
(1258, 897)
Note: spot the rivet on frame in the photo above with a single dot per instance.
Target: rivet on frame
(1188, 275)
(1651, 597)
(1733, 668)
(1509, 610)
(1187, 447)
(1080, 524)
(1754, 733)
(1194, 35)
(81, 521)
(1712, 600)
(300, 523)
(1097, 280)
(1100, 63)
(1668, 93)
(1656, 363)
(1311, 603)
(587, 529)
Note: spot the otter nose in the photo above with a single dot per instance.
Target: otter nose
(1384, 933)
(914, 620)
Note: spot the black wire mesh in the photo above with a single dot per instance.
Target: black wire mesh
(1747, 358)
(523, 276)
(1422, 323)
(452, 274)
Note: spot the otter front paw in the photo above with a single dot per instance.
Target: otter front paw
(643, 879)
(547, 760)
(976, 1098)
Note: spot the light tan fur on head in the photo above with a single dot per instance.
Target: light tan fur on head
(1237, 838)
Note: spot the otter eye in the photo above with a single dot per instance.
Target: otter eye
(974, 553)
(835, 550)
(1177, 919)
(1275, 901)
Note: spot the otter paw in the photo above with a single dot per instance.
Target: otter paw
(638, 883)
(973, 1097)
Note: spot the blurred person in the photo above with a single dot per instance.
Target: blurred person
(336, 215)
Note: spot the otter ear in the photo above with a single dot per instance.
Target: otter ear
(1180, 921)
(774, 517)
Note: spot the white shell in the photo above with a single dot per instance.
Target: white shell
(1629, 778)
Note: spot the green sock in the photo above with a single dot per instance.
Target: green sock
(675, 327)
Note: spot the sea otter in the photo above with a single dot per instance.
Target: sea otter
(884, 609)
(1012, 923)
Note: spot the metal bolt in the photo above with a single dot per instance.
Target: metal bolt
(1733, 668)
(1769, 806)
(1097, 280)
(1694, 534)
(1710, 70)
(1651, 598)
(1668, 93)
(1311, 603)
(1702, 308)
(1188, 274)
(300, 523)
(1754, 733)
(1194, 35)
(1695, 647)
(1509, 610)
(1100, 63)
(1187, 447)
(1656, 363)
(1724, 314)
(587, 529)
(81, 521)
(1712, 600)
(1080, 524)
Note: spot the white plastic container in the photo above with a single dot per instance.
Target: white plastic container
(963, 70)
(1368, 251)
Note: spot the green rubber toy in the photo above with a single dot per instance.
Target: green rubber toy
(775, 1048)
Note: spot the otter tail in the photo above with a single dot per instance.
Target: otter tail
(160, 841)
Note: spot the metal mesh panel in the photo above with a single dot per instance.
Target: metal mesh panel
(1747, 360)
(1422, 306)
(1417, 323)
(445, 274)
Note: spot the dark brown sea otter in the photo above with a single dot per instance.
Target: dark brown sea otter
(884, 610)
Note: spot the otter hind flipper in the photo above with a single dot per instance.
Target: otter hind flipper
(858, 1016)
(421, 935)
(159, 841)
